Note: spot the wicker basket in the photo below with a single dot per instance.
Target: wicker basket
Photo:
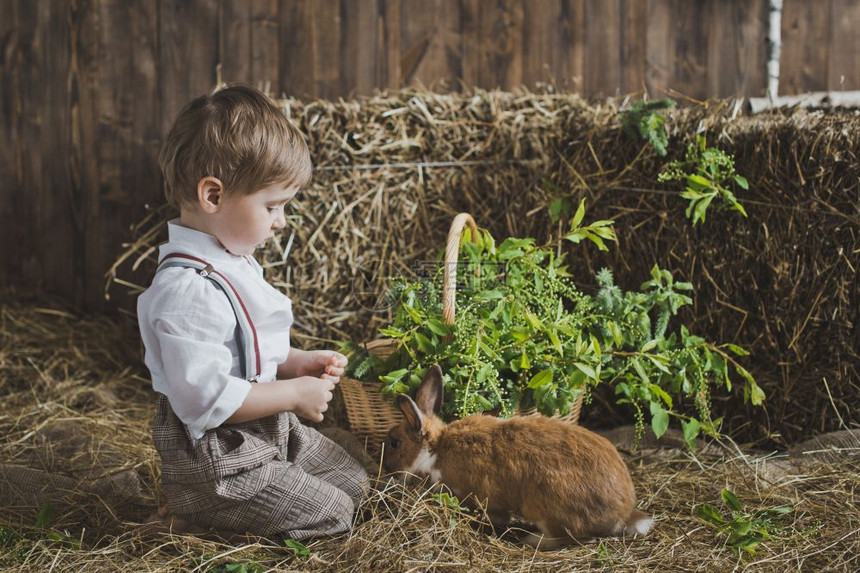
(369, 414)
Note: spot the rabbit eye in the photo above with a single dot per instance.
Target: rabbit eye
(394, 443)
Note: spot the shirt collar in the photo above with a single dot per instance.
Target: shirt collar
(191, 241)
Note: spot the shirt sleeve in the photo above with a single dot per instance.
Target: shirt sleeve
(188, 329)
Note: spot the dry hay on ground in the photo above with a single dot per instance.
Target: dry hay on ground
(59, 370)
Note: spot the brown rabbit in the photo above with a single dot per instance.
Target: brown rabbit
(565, 479)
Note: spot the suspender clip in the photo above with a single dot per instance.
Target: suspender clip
(207, 270)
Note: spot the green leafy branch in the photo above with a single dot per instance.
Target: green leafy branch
(597, 232)
(708, 173)
(644, 120)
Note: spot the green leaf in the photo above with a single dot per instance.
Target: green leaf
(757, 395)
(394, 376)
(472, 347)
(575, 236)
(525, 363)
(594, 346)
(739, 208)
(542, 378)
(691, 432)
(506, 253)
(578, 216)
(587, 370)
(748, 544)
(45, 515)
(699, 183)
(660, 393)
(637, 365)
(533, 320)
(558, 208)
(730, 500)
(597, 241)
(484, 373)
(447, 500)
(414, 314)
(438, 327)
(424, 344)
(488, 350)
(556, 342)
(692, 195)
(660, 362)
(520, 335)
(297, 547)
(659, 419)
(700, 208)
(709, 513)
(391, 332)
(737, 350)
(615, 331)
(752, 391)
(740, 527)
(489, 295)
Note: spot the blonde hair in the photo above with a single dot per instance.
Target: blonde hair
(237, 135)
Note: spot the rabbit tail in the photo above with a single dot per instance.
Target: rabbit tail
(638, 523)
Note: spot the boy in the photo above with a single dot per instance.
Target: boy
(217, 336)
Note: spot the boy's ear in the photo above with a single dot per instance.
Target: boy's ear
(210, 192)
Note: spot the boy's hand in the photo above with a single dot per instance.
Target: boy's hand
(312, 396)
(305, 396)
(322, 364)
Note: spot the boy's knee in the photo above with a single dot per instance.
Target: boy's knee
(359, 483)
(341, 513)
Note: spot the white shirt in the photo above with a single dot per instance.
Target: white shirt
(189, 330)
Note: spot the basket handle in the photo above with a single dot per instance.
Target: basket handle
(449, 272)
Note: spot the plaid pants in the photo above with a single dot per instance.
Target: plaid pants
(267, 476)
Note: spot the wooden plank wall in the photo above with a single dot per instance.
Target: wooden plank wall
(820, 46)
(89, 87)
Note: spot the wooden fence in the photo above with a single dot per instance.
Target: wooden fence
(88, 87)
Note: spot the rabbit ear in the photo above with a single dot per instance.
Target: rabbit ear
(414, 417)
(429, 395)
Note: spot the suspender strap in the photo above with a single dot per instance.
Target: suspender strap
(246, 334)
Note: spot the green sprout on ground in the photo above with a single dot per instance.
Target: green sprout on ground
(746, 528)
(445, 499)
(299, 549)
(452, 503)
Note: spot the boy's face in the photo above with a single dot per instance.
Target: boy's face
(244, 222)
